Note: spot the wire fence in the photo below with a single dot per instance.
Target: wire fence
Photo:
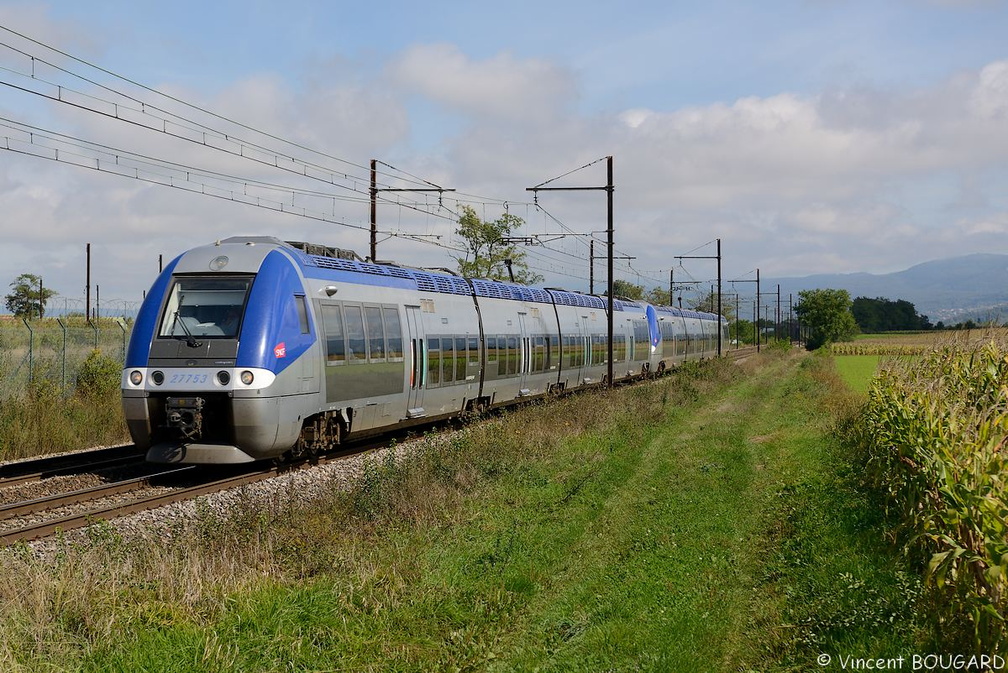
(53, 350)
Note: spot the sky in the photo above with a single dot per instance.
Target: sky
(810, 136)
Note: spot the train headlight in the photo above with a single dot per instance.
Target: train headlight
(247, 377)
(157, 377)
(223, 377)
(136, 377)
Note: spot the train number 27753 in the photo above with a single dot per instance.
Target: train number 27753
(189, 379)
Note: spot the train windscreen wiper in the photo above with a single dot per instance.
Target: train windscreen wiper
(190, 339)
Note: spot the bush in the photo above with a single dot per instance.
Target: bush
(98, 376)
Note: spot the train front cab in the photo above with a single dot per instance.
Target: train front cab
(219, 364)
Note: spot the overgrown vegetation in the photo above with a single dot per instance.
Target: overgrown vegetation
(46, 418)
(704, 521)
(932, 440)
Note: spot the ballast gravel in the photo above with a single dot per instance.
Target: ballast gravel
(172, 521)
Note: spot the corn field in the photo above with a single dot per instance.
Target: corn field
(934, 434)
(894, 350)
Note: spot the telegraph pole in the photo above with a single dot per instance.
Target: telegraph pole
(719, 308)
(755, 309)
(737, 316)
(609, 188)
(610, 233)
(778, 322)
(87, 286)
(375, 189)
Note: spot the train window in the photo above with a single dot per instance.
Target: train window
(599, 350)
(642, 340)
(619, 347)
(356, 344)
(301, 306)
(448, 360)
(460, 358)
(393, 332)
(433, 362)
(491, 349)
(502, 356)
(473, 350)
(539, 355)
(205, 307)
(512, 355)
(332, 323)
(375, 332)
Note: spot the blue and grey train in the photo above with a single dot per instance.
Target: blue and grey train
(254, 348)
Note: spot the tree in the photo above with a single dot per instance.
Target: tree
(624, 289)
(486, 252)
(882, 315)
(827, 316)
(658, 297)
(27, 298)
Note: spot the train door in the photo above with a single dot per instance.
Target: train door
(687, 339)
(586, 350)
(525, 357)
(631, 352)
(417, 364)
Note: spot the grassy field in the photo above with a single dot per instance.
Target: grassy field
(703, 522)
(857, 370)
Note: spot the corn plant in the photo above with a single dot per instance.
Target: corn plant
(933, 434)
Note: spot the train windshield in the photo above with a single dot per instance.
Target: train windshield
(205, 307)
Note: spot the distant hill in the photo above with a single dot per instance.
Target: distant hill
(951, 290)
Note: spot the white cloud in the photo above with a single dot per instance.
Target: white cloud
(841, 180)
(990, 97)
(501, 87)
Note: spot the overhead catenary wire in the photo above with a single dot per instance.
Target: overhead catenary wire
(154, 91)
(229, 143)
(277, 159)
(124, 106)
(188, 129)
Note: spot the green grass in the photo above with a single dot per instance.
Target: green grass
(857, 370)
(704, 522)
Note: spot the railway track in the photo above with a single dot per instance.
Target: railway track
(44, 516)
(68, 510)
(37, 469)
(73, 508)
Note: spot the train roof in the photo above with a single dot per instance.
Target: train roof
(318, 256)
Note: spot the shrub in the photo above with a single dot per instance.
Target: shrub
(98, 376)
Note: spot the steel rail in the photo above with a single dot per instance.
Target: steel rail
(71, 522)
(56, 500)
(12, 474)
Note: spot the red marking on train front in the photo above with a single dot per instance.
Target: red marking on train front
(280, 350)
